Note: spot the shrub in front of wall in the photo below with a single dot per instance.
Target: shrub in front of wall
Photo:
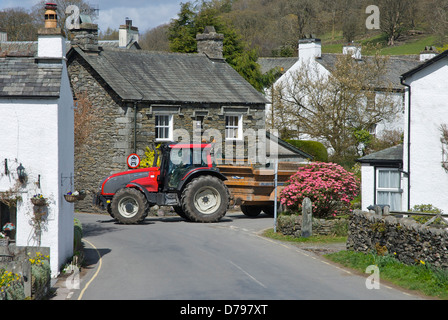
(330, 188)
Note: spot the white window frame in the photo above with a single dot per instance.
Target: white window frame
(390, 190)
(238, 127)
(169, 126)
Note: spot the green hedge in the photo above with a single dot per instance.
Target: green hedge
(314, 148)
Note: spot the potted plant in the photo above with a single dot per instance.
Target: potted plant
(39, 200)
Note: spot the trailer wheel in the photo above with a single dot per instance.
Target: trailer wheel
(251, 211)
(205, 199)
(269, 210)
(129, 206)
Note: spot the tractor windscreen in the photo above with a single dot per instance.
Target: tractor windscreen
(184, 159)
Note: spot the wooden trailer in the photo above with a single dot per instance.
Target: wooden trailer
(253, 187)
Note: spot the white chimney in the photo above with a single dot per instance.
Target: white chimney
(127, 34)
(354, 50)
(3, 35)
(310, 49)
(428, 53)
(51, 41)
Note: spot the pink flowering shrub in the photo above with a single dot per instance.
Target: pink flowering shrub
(329, 187)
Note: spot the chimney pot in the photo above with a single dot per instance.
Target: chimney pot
(51, 17)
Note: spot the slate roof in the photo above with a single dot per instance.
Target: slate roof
(389, 155)
(21, 77)
(395, 67)
(160, 77)
(424, 65)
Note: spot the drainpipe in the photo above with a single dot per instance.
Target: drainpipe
(135, 126)
(409, 140)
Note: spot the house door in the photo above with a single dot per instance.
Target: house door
(388, 188)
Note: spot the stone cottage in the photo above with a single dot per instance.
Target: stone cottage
(142, 97)
(36, 145)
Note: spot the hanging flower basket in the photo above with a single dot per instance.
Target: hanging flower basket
(70, 198)
(39, 200)
(75, 196)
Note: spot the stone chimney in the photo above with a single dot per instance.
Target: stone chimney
(428, 53)
(353, 49)
(127, 34)
(86, 37)
(210, 43)
(310, 48)
(51, 39)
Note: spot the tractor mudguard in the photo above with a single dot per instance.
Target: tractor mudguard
(199, 172)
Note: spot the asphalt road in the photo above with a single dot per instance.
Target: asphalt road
(167, 258)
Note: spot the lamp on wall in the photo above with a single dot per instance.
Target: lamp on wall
(21, 173)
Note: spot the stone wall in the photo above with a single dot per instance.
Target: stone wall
(290, 225)
(403, 238)
(111, 141)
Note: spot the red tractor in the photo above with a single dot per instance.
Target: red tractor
(186, 179)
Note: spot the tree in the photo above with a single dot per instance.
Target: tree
(19, 24)
(395, 18)
(156, 39)
(109, 34)
(191, 21)
(331, 107)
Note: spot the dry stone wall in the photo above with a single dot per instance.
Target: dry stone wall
(403, 238)
(291, 225)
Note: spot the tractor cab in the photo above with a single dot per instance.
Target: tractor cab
(178, 161)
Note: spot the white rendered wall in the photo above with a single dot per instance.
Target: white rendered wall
(429, 110)
(367, 186)
(33, 133)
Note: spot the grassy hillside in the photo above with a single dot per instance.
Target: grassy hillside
(409, 46)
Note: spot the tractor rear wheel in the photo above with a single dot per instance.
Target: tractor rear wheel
(129, 206)
(205, 199)
(180, 212)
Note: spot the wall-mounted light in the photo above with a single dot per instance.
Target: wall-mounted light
(21, 173)
(6, 167)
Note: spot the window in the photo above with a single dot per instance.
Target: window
(388, 188)
(234, 127)
(164, 127)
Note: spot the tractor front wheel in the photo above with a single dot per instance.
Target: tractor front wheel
(129, 206)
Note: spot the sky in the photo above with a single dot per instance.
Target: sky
(145, 14)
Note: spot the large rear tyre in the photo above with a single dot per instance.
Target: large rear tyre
(129, 206)
(251, 211)
(180, 212)
(205, 199)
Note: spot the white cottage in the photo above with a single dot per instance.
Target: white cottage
(310, 55)
(415, 173)
(36, 133)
